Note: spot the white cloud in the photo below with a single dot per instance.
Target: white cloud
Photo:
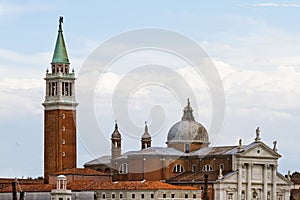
(277, 4)
(16, 9)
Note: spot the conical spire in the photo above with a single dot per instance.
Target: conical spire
(188, 112)
(60, 52)
(116, 133)
(146, 134)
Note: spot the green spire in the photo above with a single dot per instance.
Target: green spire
(60, 52)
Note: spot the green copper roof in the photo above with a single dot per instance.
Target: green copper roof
(60, 52)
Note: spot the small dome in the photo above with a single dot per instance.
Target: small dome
(187, 130)
(61, 177)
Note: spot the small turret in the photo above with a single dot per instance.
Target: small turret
(146, 138)
(115, 143)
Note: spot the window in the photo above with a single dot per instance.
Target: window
(243, 195)
(186, 196)
(103, 196)
(194, 196)
(113, 196)
(152, 196)
(193, 167)
(133, 196)
(178, 168)
(172, 195)
(63, 141)
(123, 169)
(187, 148)
(142, 196)
(63, 128)
(207, 168)
(63, 116)
(70, 89)
(164, 195)
(221, 166)
(121, 196)
(63, 154)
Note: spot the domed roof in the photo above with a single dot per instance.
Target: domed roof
(187, 130)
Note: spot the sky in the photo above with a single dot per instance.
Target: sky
(254, 45)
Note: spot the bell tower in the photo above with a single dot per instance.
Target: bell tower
(59, 112)
(116, 140)
(146, 138)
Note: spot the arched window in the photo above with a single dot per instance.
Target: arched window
(123, 169)
(207, 168)
(178, 168)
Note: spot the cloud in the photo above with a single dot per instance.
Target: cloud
(277, 5)
(17, 9)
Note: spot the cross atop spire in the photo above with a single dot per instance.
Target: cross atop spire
(60, 52)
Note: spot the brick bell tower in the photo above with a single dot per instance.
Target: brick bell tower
(59, 112)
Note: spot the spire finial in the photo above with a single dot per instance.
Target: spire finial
(257, 139)
(116, 124)
(61, 20)
(188, 112)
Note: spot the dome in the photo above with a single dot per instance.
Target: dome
(187, 130)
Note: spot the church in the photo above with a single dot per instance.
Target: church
(186, 167)
(245, 171)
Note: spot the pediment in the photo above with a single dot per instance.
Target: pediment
(259, 149)
(281, 180)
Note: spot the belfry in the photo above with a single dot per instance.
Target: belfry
(59, 112)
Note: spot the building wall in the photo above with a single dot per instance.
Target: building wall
(28, 195)
(157, 194)
(59, 141)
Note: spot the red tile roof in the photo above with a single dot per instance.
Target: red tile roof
(126, 185)
(23, 181)
(80, 171)
(29, 188)
(90, 185)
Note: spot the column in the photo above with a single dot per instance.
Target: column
(240, 180)
(59, 85)
(286, 194)
(265, 182)
(249, 181)
(274, 188)
(47, 89)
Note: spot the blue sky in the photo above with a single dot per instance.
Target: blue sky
(254, 44)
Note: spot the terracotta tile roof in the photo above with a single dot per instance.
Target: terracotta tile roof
(90, 185)
(80, 171)
(125, 185)
(21, 181)
(29, 188)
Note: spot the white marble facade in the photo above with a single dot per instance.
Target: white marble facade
(255, 176)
